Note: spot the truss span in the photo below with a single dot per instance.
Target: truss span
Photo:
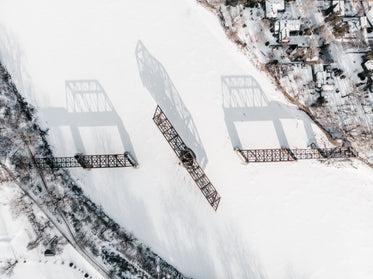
(88, 161)
(187, 157)
(287, 155)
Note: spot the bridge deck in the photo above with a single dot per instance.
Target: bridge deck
(187, 157)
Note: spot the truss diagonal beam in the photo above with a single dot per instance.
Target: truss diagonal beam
(186, 156)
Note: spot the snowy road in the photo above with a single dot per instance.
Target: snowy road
(275, 221)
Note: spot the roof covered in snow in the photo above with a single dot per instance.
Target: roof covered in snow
(273, 6)
(284, 27)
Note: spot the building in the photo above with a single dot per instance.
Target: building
(284, 27)
(49, 252)
(369, 65)
(273, 7)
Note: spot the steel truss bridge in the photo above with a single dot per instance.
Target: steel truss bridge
(187, 157)
(88, 161)
(287, 154)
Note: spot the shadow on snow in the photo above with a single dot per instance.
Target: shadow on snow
(160, 86)
(245, 101)
(87, 105)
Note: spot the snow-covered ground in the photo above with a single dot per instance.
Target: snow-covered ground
(277, 220)
(16, 233)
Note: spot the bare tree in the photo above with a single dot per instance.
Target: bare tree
(9, 267)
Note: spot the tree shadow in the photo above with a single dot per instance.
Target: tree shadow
(160, 86)
(244, 101)
(87, 105)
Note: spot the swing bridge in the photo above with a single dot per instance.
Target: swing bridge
(187, 158)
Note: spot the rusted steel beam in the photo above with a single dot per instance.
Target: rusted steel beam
(287, 155)
(187, 158)
(88, 161)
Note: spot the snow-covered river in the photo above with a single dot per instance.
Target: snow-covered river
(277, 220)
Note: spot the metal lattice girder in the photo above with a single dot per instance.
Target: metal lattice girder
(57, 162)
(88, 161)
(203, 183)
(285, 154)
(169, 132)
(268, 155)
(187, 157)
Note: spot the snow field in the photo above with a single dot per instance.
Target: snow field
(16, 233)
(277, 221)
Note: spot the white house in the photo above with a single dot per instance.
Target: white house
(324, 79)
(363, 22)
(284, 27)
(273, 6)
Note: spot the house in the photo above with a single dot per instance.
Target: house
(323, 5)
(323, 78)
(284, 27)
(357, 30)
(273, 6)
(369, 65)
(363, 22)
(356, 23)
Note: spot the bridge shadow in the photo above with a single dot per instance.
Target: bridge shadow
(160, 86)
(87, 105)
(245, 101)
